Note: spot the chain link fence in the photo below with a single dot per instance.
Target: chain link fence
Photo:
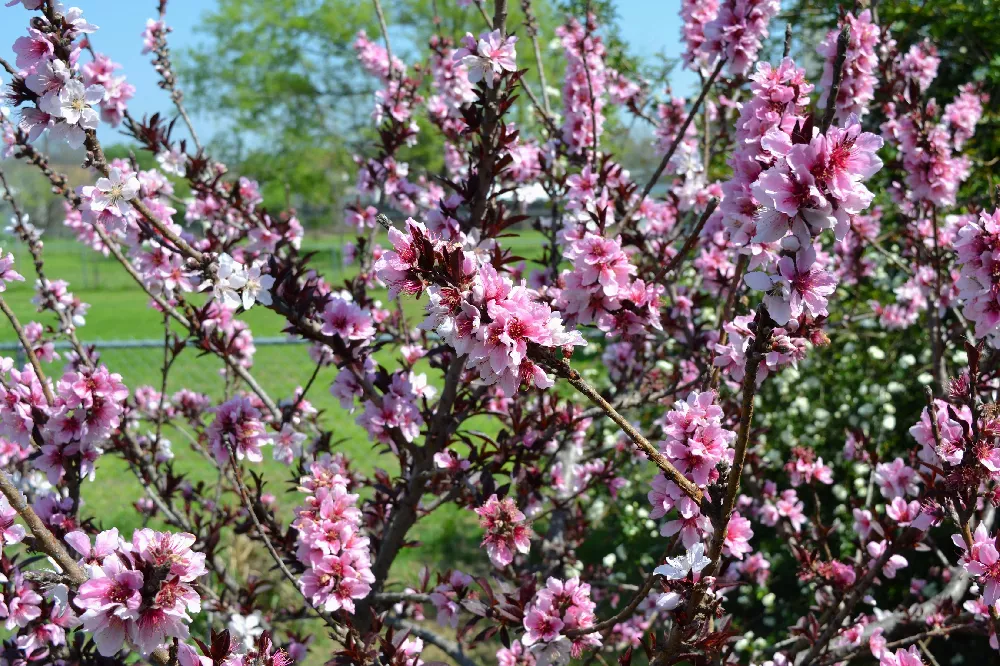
(283, 363)
(88, 271)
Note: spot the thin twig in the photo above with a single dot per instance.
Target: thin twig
(249, 506)
(641, 593)
(843, 39)
(532, 25)
(385, 32)
(676, 142)
(692, 238)
(32, 358)
(164, 68)
(727, 310)
(563, 370)
(450, 648)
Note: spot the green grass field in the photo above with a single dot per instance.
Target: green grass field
(119, 310)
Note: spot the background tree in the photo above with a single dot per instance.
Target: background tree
(296, 104)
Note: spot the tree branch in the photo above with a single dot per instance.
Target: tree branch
(676, 142)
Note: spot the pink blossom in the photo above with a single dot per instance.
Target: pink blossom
(7, 272)
(896, 479)
(32, 50)
(23, 606)
(237, 428)
(902, 657)
(738, 535)
(330, 544)
(120, 602)
(695, 440)
(738, 31)
(877, 549)
(696, 14)
(920, 64)
(446, 598)
(560, 606)
(982, 559)
(506, 530)
(488, 58)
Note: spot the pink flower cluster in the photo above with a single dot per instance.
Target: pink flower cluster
(239, 428)
(920, 64)
(117, 91)
(896, 479)
(374, 57)
(787, 506)
(507, 530)
(928, 139)
(398, 408)
(599, 288)
(805, 468)
(812, 184)
(330, 543)
(141, 591)
(88, 405)
(949, 445)
(738, 31)
(559, 607)
(982, 560)
(7, 272)
(978, 249)
(452, 91)
(22, 608)
(963, 113)
(486, 318)
(10, 531)
(695, 441)
(696, 14)
(63, 103)
(344, 318)
(447, 596)
(901, 657)
(779, 98)
(55, 295)
(584, 85)
(857, 82)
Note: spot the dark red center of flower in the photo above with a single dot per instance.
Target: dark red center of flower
(119, 593)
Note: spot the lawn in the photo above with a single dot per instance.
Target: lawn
(119, 311)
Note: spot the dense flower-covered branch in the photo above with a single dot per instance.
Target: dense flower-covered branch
(795, 225)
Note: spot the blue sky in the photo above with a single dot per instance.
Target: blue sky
(648, 26)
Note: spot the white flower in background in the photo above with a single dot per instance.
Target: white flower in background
(235, 285)
(553, 653)
(677, 568)
(164, 450)
(229, 281)
(114, 192)
(171, 161)
(245, 628)
(257, 287)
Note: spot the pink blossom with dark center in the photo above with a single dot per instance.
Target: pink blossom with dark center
(507, 530)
